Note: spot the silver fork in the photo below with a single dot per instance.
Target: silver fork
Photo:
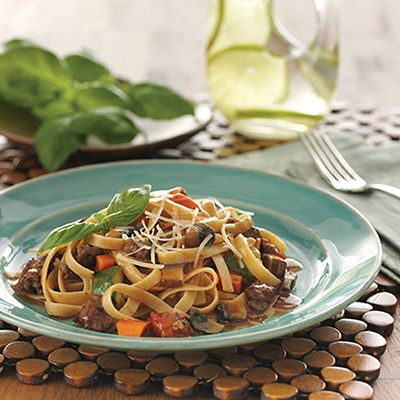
(334, 168)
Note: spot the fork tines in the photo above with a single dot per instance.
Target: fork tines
(329, 161)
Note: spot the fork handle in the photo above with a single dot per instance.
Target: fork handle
(387, 189)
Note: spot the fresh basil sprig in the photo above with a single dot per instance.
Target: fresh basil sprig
(124, 208)
(70, 90)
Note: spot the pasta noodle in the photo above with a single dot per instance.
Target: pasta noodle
(181, 260)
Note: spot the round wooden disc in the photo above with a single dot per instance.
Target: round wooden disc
(386, 283)
(162, 366)
(16, 351)
(383, 301)
(356, 390)
(91, 353)
(226, 351)
(131, 381)
(335, 376)
(349, 327)
(248, 348)
(81, 373)
(45, 345)
(324, 335)
(7, 336)
(238, 364)
(259, 376)
(316, 360)
(189, 361)
(27, 334)
(298, 347)
(278, 391)
(141, 359)
(288, 368)
(343, 350)
(379, 321)
(372, 289)
(373, 343)
(209, 372)
(179, 385)
(366, 367)
(325, 395)
(32, 371)
(63, 356)
(230, 388)
(357, 309)
(308, 383)
(112, 361)
(269, 352)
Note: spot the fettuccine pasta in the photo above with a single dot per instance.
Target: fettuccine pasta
(182, 267)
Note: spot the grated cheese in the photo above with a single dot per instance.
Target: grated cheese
(200, 249)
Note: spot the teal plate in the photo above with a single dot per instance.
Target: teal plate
(338, 247)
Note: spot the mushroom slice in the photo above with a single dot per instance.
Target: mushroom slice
(202, 323)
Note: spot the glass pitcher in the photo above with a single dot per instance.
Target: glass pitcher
(272, 64)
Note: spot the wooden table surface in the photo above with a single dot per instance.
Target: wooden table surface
(139, 40)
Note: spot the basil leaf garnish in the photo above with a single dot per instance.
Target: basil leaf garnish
(69, 232)
(126, 206)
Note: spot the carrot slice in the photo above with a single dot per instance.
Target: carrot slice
(184, 201)
(236, 282)
(131, 327)
(104, 261)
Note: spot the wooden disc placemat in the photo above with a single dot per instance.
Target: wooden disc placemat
(336, 359)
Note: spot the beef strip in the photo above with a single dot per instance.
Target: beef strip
(93, 316)
(259, 297)
(253, 233)
(138, 248)
(65, 271)
(86, 255)
(29, 280)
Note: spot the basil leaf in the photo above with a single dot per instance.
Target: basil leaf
(58, 138)
(16, 43)
(30, 75)
(110, 124)
(98, 216)
(85, 68)
(126, 206)
(233, 265)
(68, 233)
(102, 280)
(97, 95)
(54, 144)
(150, 100)
(52, 109)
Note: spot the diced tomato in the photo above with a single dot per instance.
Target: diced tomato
(104, 261)
(167, 324)
(236, 282)
(184, 201)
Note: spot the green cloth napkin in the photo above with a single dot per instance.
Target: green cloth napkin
(374, 163)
